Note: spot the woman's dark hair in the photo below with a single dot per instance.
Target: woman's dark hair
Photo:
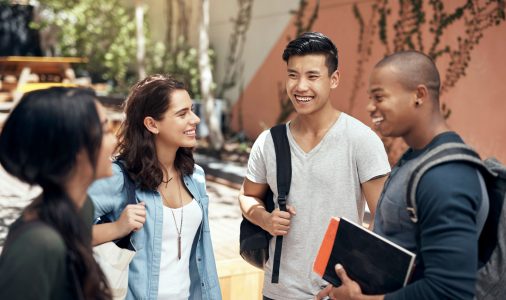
(313, 43)
(39, 145)
(150, 97)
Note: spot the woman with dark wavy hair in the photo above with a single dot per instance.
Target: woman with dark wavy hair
(59, 139)
(174, 255)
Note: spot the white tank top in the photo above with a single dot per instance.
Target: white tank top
(174, 283)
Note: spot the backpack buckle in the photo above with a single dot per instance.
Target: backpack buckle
(282, 200)
(412, 214)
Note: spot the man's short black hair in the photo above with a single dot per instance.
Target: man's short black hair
(416, 68)
(313, 43)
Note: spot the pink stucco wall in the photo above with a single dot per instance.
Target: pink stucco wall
(477, 101)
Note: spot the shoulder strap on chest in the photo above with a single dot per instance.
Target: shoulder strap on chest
(128, 185)
(283, 162)
(448, 152)
(283, 179)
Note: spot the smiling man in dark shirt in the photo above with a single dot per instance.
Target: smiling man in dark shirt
(404, 90)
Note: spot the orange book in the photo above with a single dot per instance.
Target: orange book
(378, 265)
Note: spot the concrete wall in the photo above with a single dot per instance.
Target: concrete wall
(268, 22)
(157, 16)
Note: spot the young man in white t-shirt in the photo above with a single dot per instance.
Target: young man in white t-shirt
(336, 162)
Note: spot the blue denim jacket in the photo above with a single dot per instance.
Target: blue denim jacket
(109, 197)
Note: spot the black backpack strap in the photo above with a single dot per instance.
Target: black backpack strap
(129, 186)
(444, 153)
(283, 179)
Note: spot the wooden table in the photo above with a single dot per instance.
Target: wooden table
(50, 70)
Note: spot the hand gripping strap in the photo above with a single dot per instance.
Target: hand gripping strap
(283, 179)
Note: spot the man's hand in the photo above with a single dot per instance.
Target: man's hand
(349, 289)
(325, 293)
(278, 222)
(131, 219)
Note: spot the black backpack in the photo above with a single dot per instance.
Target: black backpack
(254, 241)
(491, 282)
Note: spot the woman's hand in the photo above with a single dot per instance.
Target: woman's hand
(131, 219)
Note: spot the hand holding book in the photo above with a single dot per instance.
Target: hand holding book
(349, 289)
(377, 265)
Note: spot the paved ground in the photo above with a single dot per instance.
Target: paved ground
(224, 212)
(224, 219)
(224, 180)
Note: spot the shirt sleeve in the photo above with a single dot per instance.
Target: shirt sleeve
(371, 157)
(107, 194)
(257, 171)
(200, 178)
(448, 198)
(33, 265)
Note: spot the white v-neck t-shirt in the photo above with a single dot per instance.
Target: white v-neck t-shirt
(326, 182)
(174, 283)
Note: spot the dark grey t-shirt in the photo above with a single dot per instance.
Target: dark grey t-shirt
(34, 264)
(445, 237)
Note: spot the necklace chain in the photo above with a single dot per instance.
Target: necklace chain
(168, 179)
(180, 229)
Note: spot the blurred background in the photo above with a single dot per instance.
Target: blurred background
(228, 52)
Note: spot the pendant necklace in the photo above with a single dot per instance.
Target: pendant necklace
(180, 229)
(168, 180)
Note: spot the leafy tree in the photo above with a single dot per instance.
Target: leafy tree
(101, 30)
(104, 31)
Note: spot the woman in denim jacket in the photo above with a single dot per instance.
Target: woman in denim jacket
(174, 254)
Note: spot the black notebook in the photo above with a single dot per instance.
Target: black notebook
(378, 265)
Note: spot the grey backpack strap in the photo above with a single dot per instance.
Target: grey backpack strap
(444, 153)
(482, 215)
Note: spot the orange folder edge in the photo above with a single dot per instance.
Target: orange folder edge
(323, 256)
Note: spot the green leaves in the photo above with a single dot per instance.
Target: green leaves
(101, 30)
(104, 31)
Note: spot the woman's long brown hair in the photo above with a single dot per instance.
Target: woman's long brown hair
(136, 146)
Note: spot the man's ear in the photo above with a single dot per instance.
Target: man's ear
(151, 125)
(334, 79)
(422, 94)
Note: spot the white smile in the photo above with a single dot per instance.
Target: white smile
(377, 120)
(190, 132)
(303, 99)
